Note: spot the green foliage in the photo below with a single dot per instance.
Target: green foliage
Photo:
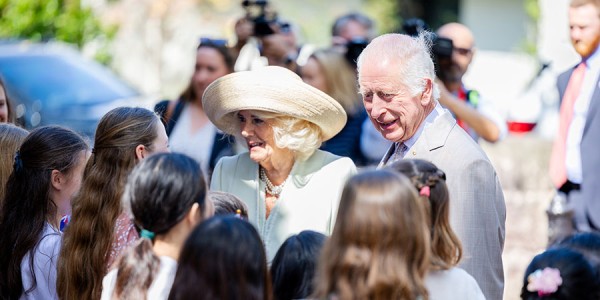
(386, 14)
(63, 20)
(532, 9)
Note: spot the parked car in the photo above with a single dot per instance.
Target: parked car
(52, 83)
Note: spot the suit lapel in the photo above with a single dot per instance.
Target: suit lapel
(593, 109)
(433, 137)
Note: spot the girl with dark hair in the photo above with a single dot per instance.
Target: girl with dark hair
(586, 243)
(379, 248)
(228, 204)
(560, 274)
(223, 258)
(188, 127)
(100, 230)
(47, 173)
(167, 195)
(444, 280)
(294, 265)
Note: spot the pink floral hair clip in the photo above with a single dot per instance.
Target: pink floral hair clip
(425, 191)
(544, 282)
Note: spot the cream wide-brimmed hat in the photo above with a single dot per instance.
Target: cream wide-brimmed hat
(271, 89)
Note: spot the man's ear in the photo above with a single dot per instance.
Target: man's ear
(427, 92)
(57, 179)
(140, 152)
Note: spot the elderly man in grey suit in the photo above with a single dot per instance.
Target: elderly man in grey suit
(575, 160)
(396, 79)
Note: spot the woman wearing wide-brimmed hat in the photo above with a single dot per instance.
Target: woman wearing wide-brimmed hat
(288, 184)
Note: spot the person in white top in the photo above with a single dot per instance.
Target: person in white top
(444, 280)
(189, 129)
(47, 173)
(166, 194)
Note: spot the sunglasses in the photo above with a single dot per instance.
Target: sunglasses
(213, 42)
(463, 51)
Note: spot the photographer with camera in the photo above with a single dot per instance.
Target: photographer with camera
(264, 39)
(477, 117)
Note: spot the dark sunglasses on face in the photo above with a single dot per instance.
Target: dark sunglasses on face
(463, 51)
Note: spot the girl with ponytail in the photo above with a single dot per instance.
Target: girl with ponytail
(444, 280)
(166, 193)
(47, 173)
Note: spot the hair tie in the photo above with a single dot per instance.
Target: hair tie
(425, 191)
(18, 165)
(147, 234)
(544, 282)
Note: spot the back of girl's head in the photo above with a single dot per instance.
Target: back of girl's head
(380, 234)
(586, 243)
(120, 131)
(228, 204)
(223, 258)
(430, 183)
(293, 268)
(27, 204)
(82, 263)
(560, 274)
(160, 192)
(11, 138)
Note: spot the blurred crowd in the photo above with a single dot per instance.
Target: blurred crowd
(286, 171)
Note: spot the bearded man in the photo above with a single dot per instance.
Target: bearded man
(575, 158)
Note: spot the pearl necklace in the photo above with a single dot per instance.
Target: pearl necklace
(272, 189)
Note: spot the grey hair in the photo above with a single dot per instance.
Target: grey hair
(363, 20)
(411, 56)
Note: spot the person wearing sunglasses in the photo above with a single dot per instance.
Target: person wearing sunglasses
(476, 116)
(189, 129)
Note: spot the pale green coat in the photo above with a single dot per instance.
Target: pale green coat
(309, 200)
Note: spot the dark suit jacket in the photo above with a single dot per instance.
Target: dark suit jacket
(588, 206)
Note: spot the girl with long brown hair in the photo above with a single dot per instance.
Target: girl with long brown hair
(379, 248)
(444, 280)
(166, 194)
(100, 230)
(46, 174)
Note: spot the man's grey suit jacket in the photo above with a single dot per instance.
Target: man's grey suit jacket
(477, 208)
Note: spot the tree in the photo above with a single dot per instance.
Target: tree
(43, 20)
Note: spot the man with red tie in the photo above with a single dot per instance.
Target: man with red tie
(575, 160)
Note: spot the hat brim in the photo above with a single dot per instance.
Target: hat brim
(271, 89)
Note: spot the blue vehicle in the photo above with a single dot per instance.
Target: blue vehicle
(51, 83)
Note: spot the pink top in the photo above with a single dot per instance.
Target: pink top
(125, 236)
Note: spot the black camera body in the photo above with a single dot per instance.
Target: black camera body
(354, 48)
(441, 48)
(264, 20)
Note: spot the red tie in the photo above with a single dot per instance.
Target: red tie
(558, 167)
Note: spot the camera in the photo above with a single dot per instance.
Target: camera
(441, 48)
(353, 49)
(263, 18)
